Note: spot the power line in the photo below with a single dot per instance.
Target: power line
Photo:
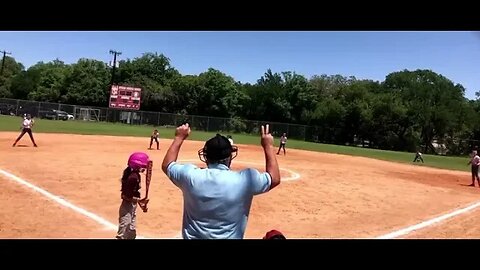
(115, 53)
(3, 59)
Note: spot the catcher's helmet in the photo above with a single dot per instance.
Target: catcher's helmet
(138, 160)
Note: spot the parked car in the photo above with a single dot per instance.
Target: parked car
(58, 115)
(7, 109)
(70, 116)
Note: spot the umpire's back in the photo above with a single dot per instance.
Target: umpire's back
(217, 200)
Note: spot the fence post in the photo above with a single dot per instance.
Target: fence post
(158, 119)
(208, 124)
(16, 109)
(38, 111)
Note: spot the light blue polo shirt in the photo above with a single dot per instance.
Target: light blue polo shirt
(216, 200)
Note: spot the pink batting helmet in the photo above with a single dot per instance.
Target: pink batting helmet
(138, 160)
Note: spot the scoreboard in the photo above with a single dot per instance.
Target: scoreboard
(125, 97)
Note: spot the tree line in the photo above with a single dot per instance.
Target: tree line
(408, 111)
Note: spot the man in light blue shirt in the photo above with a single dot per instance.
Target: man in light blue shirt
(217, 200)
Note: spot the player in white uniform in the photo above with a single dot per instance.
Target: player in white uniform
(283, 142)
(475, 163)
(27, 125)
(229, 137)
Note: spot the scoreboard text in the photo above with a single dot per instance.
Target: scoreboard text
(125, 97)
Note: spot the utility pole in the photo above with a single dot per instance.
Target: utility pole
(3, 59)
(115, 53)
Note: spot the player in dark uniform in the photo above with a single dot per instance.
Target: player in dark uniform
(418, 156)
(131, 195)
(154, 136)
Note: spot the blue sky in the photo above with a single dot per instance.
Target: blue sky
(247, 55)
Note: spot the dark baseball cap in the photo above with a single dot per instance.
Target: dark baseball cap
(273, 235)
(217, 148)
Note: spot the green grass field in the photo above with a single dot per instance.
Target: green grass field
(10, 123)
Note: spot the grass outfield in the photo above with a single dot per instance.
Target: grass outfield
(11, 123)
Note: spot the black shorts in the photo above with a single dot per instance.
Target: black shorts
(474, 170)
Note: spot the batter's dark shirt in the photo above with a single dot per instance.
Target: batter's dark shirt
(131, 186)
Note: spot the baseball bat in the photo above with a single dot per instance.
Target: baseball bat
(148, 179)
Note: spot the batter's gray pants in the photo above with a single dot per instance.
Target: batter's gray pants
(127, 221)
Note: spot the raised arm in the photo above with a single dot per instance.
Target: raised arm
(271, 164)
(181, 133)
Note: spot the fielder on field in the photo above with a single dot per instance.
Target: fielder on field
(475, 163)
(418, 156)
(154, 136)
(283, 142)
(229, 137)
(217, 200)
(26, 127)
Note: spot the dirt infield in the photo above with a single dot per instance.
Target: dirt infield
(335, 196)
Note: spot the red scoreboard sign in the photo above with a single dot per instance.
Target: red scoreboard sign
(125, 97)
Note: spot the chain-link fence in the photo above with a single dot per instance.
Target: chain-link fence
(448, 146)
(204, 123)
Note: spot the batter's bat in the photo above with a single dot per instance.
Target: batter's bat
(143, 203)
